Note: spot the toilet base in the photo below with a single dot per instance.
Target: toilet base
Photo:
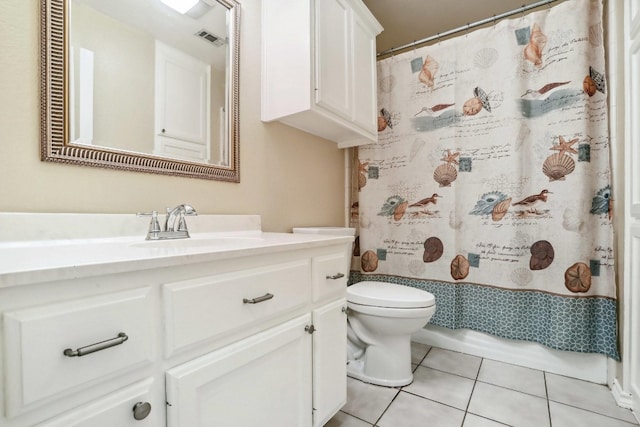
(355, 369)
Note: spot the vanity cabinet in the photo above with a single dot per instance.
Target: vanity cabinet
(257, 337)
(319, 68)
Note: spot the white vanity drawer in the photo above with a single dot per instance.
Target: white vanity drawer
(116, 410)
(36, 339)
(210, 307)
(330, 274)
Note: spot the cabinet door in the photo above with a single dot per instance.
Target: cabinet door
(364, 75)
(329, 361)
(263, 380)
(333, 62)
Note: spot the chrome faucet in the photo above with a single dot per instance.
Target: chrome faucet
(170, 230)
(179, 213)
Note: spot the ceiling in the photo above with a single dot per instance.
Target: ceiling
(405, 21)
(164, 24)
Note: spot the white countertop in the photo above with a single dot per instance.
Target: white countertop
(29, 261)
(36, 262)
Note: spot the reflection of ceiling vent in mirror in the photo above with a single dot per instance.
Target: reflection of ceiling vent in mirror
(215, 40)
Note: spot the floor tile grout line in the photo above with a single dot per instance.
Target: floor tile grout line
(475, 381)
(593, 412)
(513, 389)
(446, 372)
(433, 400)
(388, 406)
(546, 393)
(356, 417)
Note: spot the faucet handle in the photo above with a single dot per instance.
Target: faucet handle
(154, 225)
(182, 224)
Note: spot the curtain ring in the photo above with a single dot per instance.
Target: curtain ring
(467, 30)
(523, 10)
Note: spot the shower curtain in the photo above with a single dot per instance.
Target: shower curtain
(489, 185)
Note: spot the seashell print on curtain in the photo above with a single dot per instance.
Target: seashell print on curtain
(489, 185)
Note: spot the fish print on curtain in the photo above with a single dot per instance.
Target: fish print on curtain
(489, 185)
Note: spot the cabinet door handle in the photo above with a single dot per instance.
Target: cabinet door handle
(336, 276)
(264, 297)
(141, 410)
(92, 348)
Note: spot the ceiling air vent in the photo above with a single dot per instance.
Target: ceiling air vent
(215, 40)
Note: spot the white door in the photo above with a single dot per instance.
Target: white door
(329, 361)
(263, 380)
(631, 352)
(333, 50)
(183, 105)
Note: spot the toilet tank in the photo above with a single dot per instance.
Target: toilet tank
(338, 231)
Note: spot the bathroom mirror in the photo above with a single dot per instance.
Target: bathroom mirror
(141, 85)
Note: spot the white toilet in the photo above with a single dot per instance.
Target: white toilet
(382, 316)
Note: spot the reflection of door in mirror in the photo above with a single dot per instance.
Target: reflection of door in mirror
(132, 78)
(182, 106)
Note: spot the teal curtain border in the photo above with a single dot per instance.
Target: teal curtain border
(584, 324)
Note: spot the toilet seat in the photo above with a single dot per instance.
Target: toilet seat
(388, 295)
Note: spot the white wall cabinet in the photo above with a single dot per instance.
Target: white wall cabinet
(226, 342)
(319, 68)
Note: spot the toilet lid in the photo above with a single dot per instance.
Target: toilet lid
(383, 294)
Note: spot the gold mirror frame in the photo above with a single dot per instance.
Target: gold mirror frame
(54, 132)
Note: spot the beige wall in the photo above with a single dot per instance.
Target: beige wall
(287, 176)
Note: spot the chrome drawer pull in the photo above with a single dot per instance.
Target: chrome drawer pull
(336, 276)
(92, 348)
(257, 300)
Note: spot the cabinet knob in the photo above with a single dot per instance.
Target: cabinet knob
(141, 410)
(310, 329)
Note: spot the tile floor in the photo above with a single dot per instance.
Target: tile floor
(458, 390)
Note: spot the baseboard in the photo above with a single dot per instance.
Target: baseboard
(584, 366)
(623, 398)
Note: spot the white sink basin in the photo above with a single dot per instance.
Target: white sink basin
(212, 242)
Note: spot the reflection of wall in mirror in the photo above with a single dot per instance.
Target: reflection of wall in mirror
(123, 79)
(124, 83)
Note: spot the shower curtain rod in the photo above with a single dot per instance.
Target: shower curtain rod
(469, 26)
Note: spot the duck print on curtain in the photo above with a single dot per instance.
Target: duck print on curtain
(489, 185)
